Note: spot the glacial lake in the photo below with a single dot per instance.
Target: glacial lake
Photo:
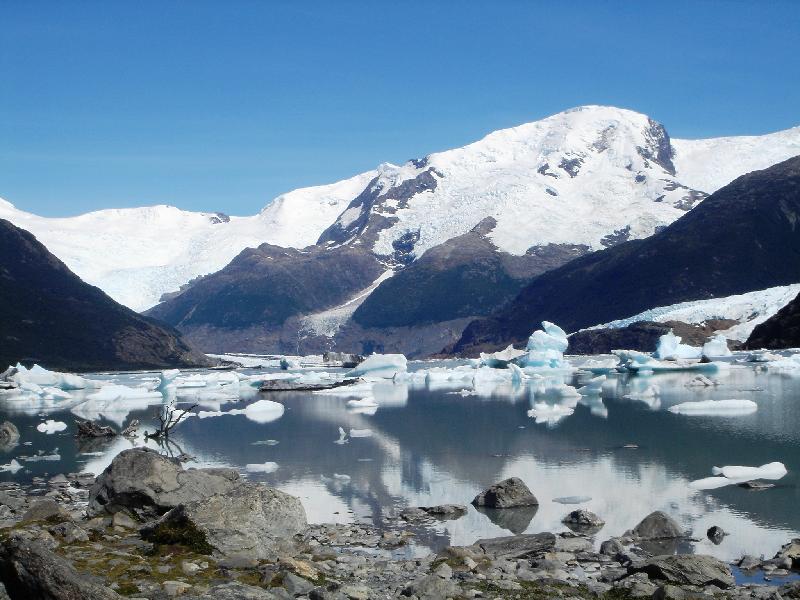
(428, 444)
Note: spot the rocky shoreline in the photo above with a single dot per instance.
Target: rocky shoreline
(149, 528)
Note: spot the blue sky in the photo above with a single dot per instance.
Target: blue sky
(224, 105)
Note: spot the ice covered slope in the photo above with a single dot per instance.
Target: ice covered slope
(136, 255)
(750, 310)
(590, 176)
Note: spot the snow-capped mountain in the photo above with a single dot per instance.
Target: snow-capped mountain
(589, 176)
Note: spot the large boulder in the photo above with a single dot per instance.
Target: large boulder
(9, 435)
(517, 546)
(657, 526)
(143, 481)
(685, 569)
(251, 520)
(29, 570)
(509, 493)
(583, 521)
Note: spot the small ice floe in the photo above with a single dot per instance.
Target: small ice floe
(360, 433)
(264, 411)
(42, 457)
(50, 426)
(342, 437)
(380, 366)
(368, 402)
(734, 475)
(341, 477)
(701, 381)
(762, 357)
(550, 414)
(267, 467)
(464, 393)
(11, 467)
(502, 359)
(265, 443)
(572, 499)
(721, 408)
(592, 387)
(600, 366)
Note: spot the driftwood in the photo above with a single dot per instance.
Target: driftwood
(169, 418)
(282, 385)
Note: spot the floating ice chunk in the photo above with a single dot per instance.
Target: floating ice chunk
(545, 349)
(592, 387)
(762, 357)
(380, 366)
(701, 381)
(265, 443)
(360, 433)
(572, 499)
(600, 366)
(670, 348)
(43, 377)
(502, 359)
(42, 457)
(341, 477)
(484, 375)
(342, 437)
(549, 413)
(785, 363)
(517, 374)
(50, 426)
(368, 402)
(166, 379)
(54, 393)
(267, 467)
(11, 467)
(264, 411)
(722, 408)
(771, 471)
(733, 475)
(716, 347)
(115, 392)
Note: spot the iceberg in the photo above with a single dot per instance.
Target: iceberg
(545, 349)
(593, 387)
(50, 426)
(721, 408)
(43, 377)
(502, 359)
(733, 475)
(368, 402)
(716, 347)
(380, 366)
(670, 348)
(360, 433)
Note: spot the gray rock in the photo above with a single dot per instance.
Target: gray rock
(248, 519)
(445, 512)
(508, 493)
(685, 569)
(716, 535)
(143, 481)
(517, 546)
(29, 570)
(234, 591)
(431, 587)
(9, 435)
(611, 547)
(46, 510)
(583, 521)
(70, 532)
(749, 562)
(296, 585)
(672, 592)
(657, 526)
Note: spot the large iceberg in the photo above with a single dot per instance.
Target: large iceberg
(716, 347)
(670, 348)
(545, 349)
(42, 377)
(380, 366)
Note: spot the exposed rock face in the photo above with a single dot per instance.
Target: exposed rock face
(48, 315)
(781, 330)
(249, 520)
(9, 435)
(658, 526)
(686, 569)
(145, 482)
(29, 570)
(509, 493)
(701, 255)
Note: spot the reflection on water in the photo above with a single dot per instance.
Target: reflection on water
(620, 454)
